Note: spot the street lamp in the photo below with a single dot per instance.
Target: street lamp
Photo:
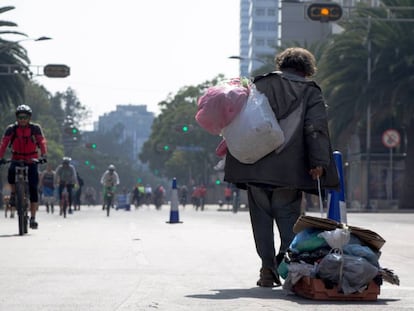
(368, 143)
(268, 66)
(9, 44)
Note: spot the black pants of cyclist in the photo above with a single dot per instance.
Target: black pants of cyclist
(33, 177)
(69, 188)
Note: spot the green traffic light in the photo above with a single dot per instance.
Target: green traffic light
(87, 162)
(93, 146)
(74, 130)
(166, 147)
(185, 128)
(218, 181)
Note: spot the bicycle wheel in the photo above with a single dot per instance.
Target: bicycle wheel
(21, 207)
(235, 203)
(108, 204)
(64, 207)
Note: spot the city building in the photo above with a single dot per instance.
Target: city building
(133, 122)
(266, 25)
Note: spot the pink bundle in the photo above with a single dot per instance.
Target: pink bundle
(220, 105)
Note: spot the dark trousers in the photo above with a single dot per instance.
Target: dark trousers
(281, 205)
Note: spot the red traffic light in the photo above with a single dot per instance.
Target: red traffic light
(324, 12)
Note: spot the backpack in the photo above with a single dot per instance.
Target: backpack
(14, 130)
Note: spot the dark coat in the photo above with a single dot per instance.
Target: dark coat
(300, 109)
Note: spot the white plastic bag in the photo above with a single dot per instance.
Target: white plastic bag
(254, 132)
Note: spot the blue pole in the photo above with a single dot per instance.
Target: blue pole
(337, 206)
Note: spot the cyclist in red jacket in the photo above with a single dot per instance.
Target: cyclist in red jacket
(24, 138)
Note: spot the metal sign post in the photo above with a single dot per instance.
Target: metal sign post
(391, 138)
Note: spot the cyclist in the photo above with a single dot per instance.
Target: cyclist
(25, 139)
(66, 177)
(109, 179)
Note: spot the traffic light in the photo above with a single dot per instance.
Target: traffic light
(90, 145)
(324, 12)
(218, 182)
(87, 162)
(71, 130)
(163, 148)
(183, 128)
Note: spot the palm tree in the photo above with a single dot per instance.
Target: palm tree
(388, 89)
(12, 54)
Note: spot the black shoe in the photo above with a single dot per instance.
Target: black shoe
(12, 199)
(268, 278)
(33, 223)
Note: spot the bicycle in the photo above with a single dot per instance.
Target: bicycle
(109, 192)
(22, 201)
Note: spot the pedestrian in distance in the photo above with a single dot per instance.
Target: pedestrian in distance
(275, 182)
(25, 139)
(47, 185)
(78, 193)
(228, 195)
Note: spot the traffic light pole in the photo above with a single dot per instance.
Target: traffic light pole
(50, 71)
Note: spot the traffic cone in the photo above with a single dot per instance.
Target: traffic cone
(174, 214)
(336, 199)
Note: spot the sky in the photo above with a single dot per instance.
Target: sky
(128, 51)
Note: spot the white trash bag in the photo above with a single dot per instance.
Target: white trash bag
(254, 132)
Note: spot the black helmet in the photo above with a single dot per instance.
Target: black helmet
(66, 160)
(23, 109)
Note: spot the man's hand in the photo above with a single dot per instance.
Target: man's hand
(43, 158)
(316, 172)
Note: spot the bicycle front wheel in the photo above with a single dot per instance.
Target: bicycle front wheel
(108, 204)
(21, 208)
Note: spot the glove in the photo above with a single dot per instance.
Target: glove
(43, 159)
(2, 161)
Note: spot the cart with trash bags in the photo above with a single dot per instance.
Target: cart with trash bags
(328, 260)
(122, 202)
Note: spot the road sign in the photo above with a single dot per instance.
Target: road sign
(391, 138)
(56, 71)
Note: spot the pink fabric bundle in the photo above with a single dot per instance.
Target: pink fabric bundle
(220, 105)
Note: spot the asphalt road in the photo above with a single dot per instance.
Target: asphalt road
(137, 261)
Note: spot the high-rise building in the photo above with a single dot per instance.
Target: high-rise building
(259, 21)
(266, 25)
(133, 122)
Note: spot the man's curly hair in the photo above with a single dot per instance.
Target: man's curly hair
(298, 59)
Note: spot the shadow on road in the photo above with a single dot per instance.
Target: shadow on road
(269, 293)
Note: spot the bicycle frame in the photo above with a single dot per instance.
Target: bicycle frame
(22, 195)
(109, 198)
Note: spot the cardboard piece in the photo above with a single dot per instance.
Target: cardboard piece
(369, 237)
